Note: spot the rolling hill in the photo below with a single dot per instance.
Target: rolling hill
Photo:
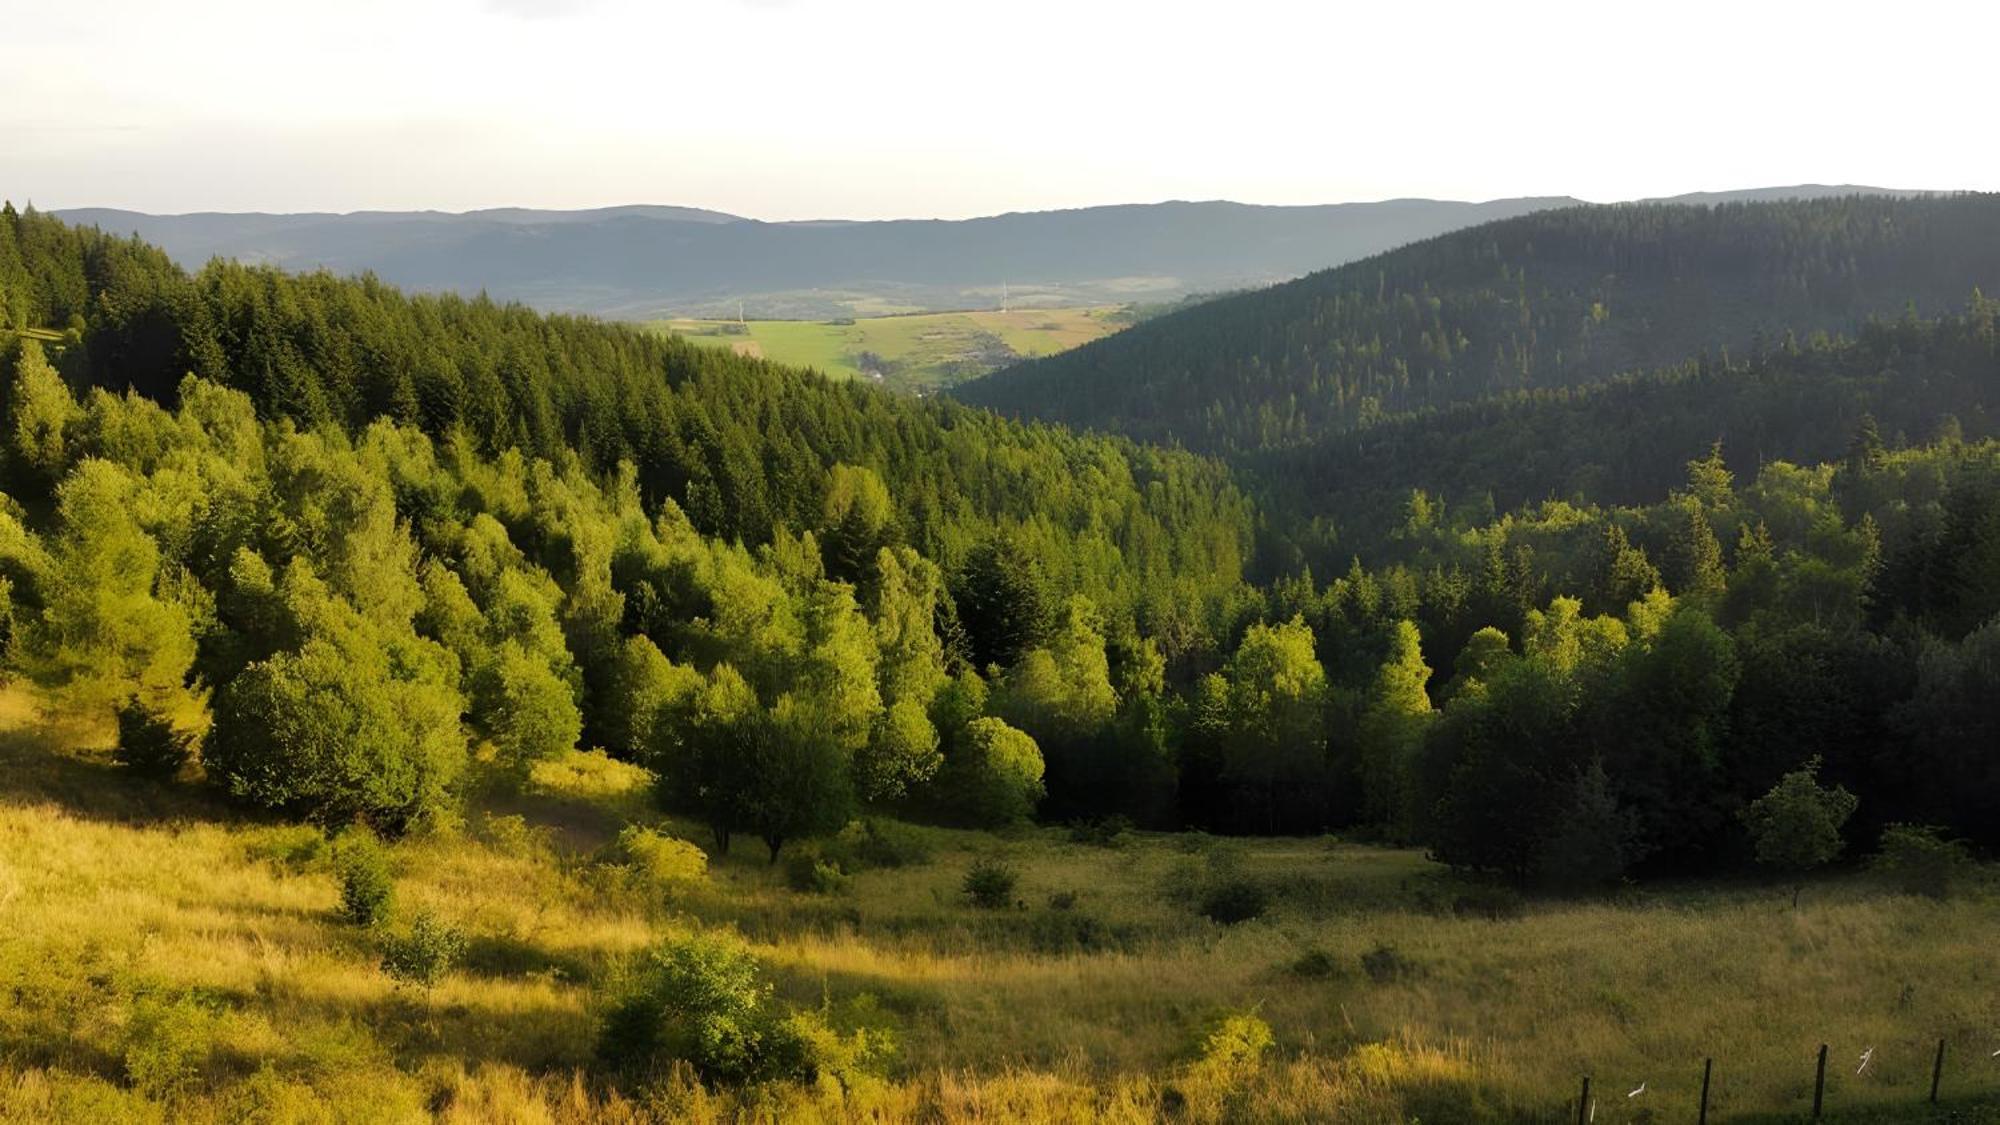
(1556, 299)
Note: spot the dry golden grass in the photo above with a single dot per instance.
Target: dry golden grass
(117, 896)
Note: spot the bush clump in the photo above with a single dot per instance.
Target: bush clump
(1921, 860)
(990, 884)
(168, 1045)
(809, 872)
(660, 861)
(1233, 900)
(1315, 964)
(872, 843)
(148, 743)
(424, 953)
(367, 888)
(1233, 1047)
(702, 1000)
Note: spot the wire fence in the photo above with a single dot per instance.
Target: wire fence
(1942, 1073)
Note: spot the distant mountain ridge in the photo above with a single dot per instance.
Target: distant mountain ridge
(646, 261)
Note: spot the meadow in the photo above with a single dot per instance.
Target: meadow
(918, 351)
(142, 923)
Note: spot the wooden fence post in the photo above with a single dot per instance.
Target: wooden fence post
(1819, 1084)
(1707, 1071)
(1937, 1071)
(1583, 1103)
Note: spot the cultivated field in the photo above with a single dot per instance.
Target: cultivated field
(915, 352)
(143, 926)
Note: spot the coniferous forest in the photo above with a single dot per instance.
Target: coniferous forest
(1582, 553)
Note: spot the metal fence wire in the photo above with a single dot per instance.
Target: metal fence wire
(1649, 1104)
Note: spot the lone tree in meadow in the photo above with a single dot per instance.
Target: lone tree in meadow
(1796, 826)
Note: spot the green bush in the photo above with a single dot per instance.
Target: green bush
(424, 953)
(660, 861)
(1922, 860)
(367, 887)
(990, 884)
(148, 744)
(1233, 900)
(809, 872)
(1314, 964)
(701, 1000)
(872, 842)
(168, 1044)
(1233, 1047)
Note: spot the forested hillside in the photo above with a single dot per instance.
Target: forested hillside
(380, 540)
(1624, 440)
(1556, 299)
(743, 447)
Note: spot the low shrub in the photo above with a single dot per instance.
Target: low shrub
(702, 1000)
(148, 743)
(1921, 860)
(1233, 1047)
(1490, 901)
(871, 843)
(168, 1045)
(424, 953)
(511, 834)
(367, 887)
(990, 884)
(1314, 964)
(659, 861)
(1233, 900)
(1384, 964)
(809, 872)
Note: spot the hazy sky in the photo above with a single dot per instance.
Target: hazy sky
(881, 108)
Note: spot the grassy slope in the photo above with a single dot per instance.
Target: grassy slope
(926, 346)
(112, 891)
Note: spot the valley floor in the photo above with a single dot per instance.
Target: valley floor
(139, 923)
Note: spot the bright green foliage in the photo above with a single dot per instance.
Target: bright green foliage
(148, 742)
(854, 523)
(1393, 721)
(530, 710)
(1061, 693)
(780, 773)
(367, 886)
(111, 622)
(702, 1000)
(646, 688)
(1233, 1047)
(909, 591)
(352, 723)
(39, 409)
(168, 1045)
(661, 861)
(423, 952)
(902, 753)
(991, 776)
(1796, 826)
(1273, 727)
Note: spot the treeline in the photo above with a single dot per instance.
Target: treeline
(1555, 299)
(743, 447)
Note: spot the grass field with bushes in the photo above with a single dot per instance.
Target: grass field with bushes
(167, 959)
(920, 351)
